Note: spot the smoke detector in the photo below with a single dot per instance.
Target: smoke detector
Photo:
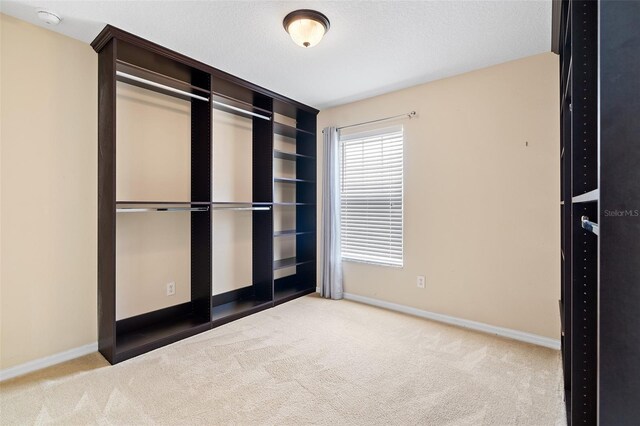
(47, 17)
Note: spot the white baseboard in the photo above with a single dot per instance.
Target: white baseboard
(48, 361)
(473, 325)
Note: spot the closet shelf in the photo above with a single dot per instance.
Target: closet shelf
(138, 334)
(587, 197)
(288, 263)
(291, 156)
(289, 131)
(288, 293)
(291, 287)
(237, 308)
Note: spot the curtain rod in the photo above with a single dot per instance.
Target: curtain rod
(411, 115)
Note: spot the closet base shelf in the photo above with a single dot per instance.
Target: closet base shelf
(236, 309)
(142, 334)
(285, 296)
(292, 287)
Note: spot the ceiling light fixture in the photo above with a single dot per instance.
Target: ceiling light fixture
(48, 17)
(306, 27)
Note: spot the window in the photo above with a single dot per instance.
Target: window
(371, 196)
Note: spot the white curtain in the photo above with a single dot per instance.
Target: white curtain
(331, 255)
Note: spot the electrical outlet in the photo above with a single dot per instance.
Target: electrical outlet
(420, 282)
(171, 288)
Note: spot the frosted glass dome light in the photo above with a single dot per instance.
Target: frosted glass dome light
(306, 27)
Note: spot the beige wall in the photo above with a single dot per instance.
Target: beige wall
(49, 201)
(474, 193)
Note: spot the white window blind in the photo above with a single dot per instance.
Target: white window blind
(371, 180)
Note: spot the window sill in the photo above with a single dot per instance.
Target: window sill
(367, 262)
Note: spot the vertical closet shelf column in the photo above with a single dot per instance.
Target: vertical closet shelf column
(262, 189)
(566, 191)
(201, 244)
(584, 174)
(302, 280)
(306, 215)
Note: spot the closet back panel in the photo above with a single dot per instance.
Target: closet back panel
(153, 146)
(152, 250)
(232, 172)
(153, 157)
(279, 118)
(232, 250)
(232, 181)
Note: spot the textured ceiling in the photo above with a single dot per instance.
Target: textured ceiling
(371, 48)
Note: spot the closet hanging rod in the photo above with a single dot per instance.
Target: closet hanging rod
(244, 111)
(160, 86)
(410, 115)
(239, 102)
(243, 208)
(161, 209)
(191, 95)
(590, 226)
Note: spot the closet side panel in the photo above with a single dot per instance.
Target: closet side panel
(619, 321)
(106, 201)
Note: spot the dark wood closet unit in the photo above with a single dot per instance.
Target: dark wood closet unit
(303, 264)
(599, 47)
(125, 59)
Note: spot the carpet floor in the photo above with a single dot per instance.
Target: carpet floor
(309, 361)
